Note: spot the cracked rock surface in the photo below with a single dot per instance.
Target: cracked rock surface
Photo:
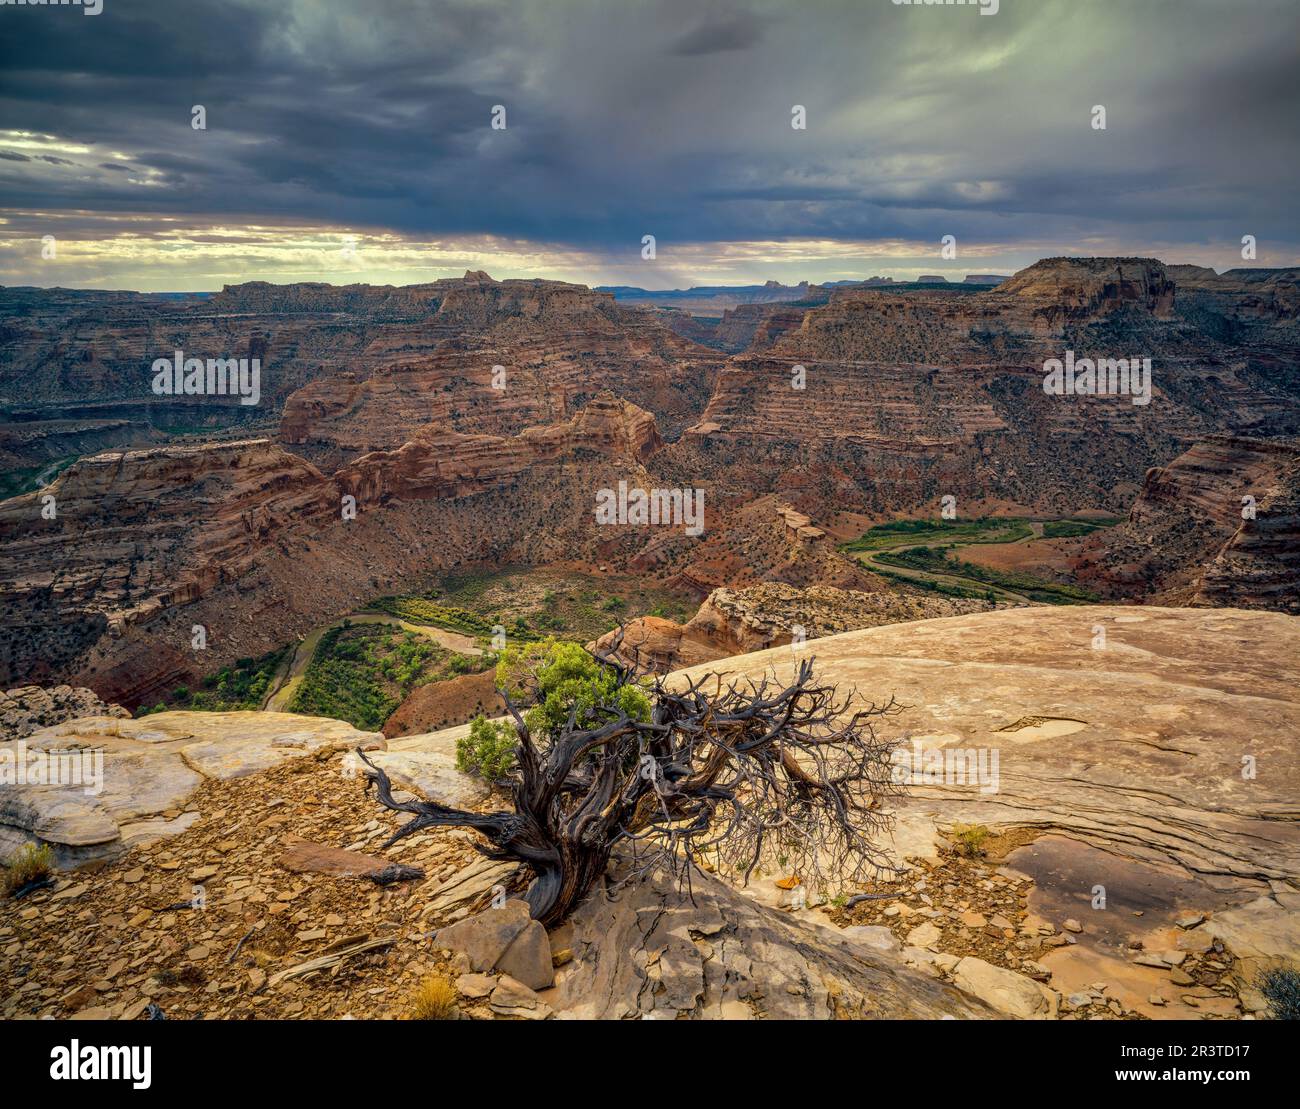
(646, 951)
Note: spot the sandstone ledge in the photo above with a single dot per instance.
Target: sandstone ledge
(1136, 747)
(151, 766)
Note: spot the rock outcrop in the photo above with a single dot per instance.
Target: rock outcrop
(740, 621)
(1219, 525)
(1084, 288)
(119, 537)
(747, 327)
(1135, 746)
(447, 464)
(1011, 994)
(503, 940)
(647, 952)
(125, 781)
(1245, 297)
(31, 708)
(426, 763)
(557, 346)
(905, 395)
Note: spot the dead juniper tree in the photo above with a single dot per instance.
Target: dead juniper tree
(723, 774)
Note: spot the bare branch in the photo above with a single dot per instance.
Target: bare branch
(743, 773)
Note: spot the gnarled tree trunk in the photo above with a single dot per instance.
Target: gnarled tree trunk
(734, 773)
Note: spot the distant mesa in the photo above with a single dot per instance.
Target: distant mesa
(931, 279)
(708, 300)
(1076, 288)
(870, 282)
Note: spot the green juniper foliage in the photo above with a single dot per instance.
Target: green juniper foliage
(559, 679)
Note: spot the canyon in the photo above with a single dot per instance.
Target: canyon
(1217, 525)
(407, 432)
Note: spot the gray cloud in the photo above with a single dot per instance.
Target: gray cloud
(648, 117)
(720, 32)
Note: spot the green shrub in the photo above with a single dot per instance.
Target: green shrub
(559, 677)
(488, 750)
(28, 864)
(1281, 989)
(460, 664)
(968, 839)
(556, 679)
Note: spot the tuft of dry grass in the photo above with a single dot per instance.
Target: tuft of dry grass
(968, 840)
(28, 864)
(434, 999)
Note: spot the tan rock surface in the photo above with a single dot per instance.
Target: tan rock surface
(151, 767)
(1145, 759)
(646, 952)
(433, 775)
(1011, 994)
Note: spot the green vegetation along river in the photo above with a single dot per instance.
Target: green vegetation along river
(920, 552)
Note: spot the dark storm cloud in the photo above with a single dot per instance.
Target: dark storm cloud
(730, 31)
(663, 117)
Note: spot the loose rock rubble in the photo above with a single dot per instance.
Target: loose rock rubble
(211, 924)
(30, 708)
(968, 921)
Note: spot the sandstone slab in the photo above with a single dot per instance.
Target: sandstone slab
(514, 999)
(456, 897)
(151, 766)
(875, 936)
(304, 857)
(1162, 784)
(434, 776)
(649, 952)
(1261, 934)
(1009, 993)
(486, 936)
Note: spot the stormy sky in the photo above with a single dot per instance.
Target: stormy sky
(352, 141)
